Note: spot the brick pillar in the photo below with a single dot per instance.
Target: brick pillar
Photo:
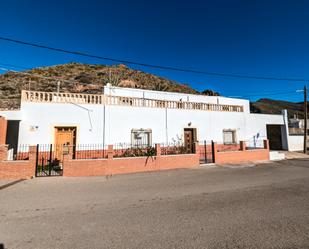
(242, 145)
(68, 152)
(32, 152)
(67, 156)
(158, 150)
(266, 144)
(197, 148)
(110, 152)
(3, 129)
(3, 152)
(32, 160)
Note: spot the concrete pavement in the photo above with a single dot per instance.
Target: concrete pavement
(265, 206)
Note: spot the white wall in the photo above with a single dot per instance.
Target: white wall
(45, 116)
(11, 115)
(120, 120)
(296, 143)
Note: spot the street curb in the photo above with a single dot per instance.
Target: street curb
(10, 184)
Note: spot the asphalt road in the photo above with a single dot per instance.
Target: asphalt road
(266, 206)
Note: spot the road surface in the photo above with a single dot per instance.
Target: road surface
(265, 206)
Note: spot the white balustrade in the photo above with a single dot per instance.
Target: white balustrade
(52, 97)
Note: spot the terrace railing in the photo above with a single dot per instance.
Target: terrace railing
(77, 98)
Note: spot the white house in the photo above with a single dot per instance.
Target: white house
(125, 115)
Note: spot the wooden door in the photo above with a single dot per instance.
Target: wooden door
(65, 137)
(189, 140)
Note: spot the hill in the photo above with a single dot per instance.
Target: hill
(82, 78)
(87, 78)
(270, 106)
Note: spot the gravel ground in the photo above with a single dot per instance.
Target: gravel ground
(265, 206)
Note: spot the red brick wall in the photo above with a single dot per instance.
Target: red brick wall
(241, 156)
(23, 169)
(231, 157)
(112, 166)
(3, 129)
(219, 147)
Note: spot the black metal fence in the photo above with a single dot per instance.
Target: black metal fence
(254, 144)
(224, 147)
(174, 149)
(20, 152)
(133, 150)
(207, 154)
(89, 151)
(49, 159)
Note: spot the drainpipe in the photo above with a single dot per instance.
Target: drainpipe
(285, 131)
(166, 131)
(103, 125)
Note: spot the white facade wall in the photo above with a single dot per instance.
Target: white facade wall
(110, 124)
(39, 119)
(11, 115)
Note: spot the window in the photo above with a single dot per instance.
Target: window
(229, 136)
(141, 137)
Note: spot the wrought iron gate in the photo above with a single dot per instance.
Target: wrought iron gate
(207, 152)
(48, 161)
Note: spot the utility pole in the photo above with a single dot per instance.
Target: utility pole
(305, 119)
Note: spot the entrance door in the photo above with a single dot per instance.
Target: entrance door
(65, 136)
(12, 135)
(274, 137)
(189, 140)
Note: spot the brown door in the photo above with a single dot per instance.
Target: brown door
(189, 140)
(65, 137)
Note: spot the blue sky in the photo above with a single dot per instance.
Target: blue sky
(257, 37)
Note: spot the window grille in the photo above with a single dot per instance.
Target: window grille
(141, 137)
(229, 136)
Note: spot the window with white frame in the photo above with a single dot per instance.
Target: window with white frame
(229, 136)
(141, 137)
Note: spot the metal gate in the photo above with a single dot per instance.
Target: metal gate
(207, 154)
(48, 161)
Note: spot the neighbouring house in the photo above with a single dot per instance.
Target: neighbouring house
(297, 125)
(296, 134)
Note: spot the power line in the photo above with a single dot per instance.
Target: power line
(150, 65)
(14, 66)
(270, 94)
(255, 94)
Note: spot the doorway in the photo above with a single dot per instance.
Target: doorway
(274, 137)
(12, 135)
(64, 137)
(190, 139)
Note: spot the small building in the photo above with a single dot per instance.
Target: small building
(136, 116)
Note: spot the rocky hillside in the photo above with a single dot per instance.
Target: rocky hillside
(270, 106)
(86, 78)
(82, 78)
